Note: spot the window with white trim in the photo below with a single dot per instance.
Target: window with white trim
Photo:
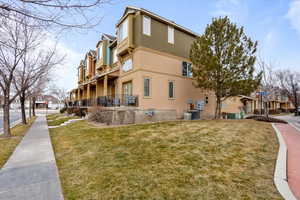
(87, 65)
(147, 87)
(99, 53)
(127, 65)
(146, 25)
(171, 89)
(115, 57)
(170, 34)
(123, 31)
(187, 69)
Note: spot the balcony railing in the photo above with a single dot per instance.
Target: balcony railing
(108, 101)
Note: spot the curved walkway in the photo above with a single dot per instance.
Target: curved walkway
(292, 140)
(31, 172)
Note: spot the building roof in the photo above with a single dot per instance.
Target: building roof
(158, 17)
(246, 97)
(109, 37)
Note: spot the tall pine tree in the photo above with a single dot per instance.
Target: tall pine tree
(223, 61)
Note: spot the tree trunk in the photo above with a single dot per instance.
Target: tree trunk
(296, 103)
(267, 108)
(6, 120)
(33, 106)
(22, 102)
(29, 108)
(218, 108)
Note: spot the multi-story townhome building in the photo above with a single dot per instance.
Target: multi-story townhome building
(147, 65)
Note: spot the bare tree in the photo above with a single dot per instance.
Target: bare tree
(268, 82)
(35, 91)
(36, 65)
(14, 40)
(290, 84)
(64, 13)
(61, 94)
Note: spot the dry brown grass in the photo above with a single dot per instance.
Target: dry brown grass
(8, 145)
(173, 160)
(58, 119)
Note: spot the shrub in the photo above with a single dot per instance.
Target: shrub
(70, 111)
(100, 115)
(266, 119)
(63, 110)
(79, 112)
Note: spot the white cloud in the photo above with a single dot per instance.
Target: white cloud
(65, 74)
(236, 10)
(294, 15)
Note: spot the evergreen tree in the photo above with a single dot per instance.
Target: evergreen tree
(223, 61)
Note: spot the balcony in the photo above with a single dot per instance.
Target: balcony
(108, 101)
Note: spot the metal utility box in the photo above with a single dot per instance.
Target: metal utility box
(187, 116)
(195, 114)
(200, 105)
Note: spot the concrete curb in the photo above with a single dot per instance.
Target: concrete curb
(280, 177)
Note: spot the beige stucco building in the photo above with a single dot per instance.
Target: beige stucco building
(255, 105)
(146, 66)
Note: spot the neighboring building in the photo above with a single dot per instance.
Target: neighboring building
(147, 66)
(46, 101)
(255, 105)
(240, 104)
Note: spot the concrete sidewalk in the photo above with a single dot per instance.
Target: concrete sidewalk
(31, 172)
(292, 139)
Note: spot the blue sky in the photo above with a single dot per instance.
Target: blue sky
(275, 24)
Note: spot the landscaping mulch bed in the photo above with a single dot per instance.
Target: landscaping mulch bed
(266, 119)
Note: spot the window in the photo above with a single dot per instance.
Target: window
(187, 69)
(146, 87)
(127, 88)
(127, 65)
(99, 55)
(146, 25)
(170, 35)
(87, 65)
(115, 57)
(171, 89)
(123, 31)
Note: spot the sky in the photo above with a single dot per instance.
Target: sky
(275, 24)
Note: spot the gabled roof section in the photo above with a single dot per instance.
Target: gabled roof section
(92, 53)
(132, 9)
(108, 37)
(105, 36)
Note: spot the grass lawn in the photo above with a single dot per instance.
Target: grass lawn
(172, 160)
(58, 119)
(8, 145)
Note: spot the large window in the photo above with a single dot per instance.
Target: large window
(146, 87)
(146, 25)
(127, 88)
(187, 69)
(123, 31)
(171, 90)
(115, 57)
(127, 65)
(170, 35)
(87, 65)
(99, 53)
